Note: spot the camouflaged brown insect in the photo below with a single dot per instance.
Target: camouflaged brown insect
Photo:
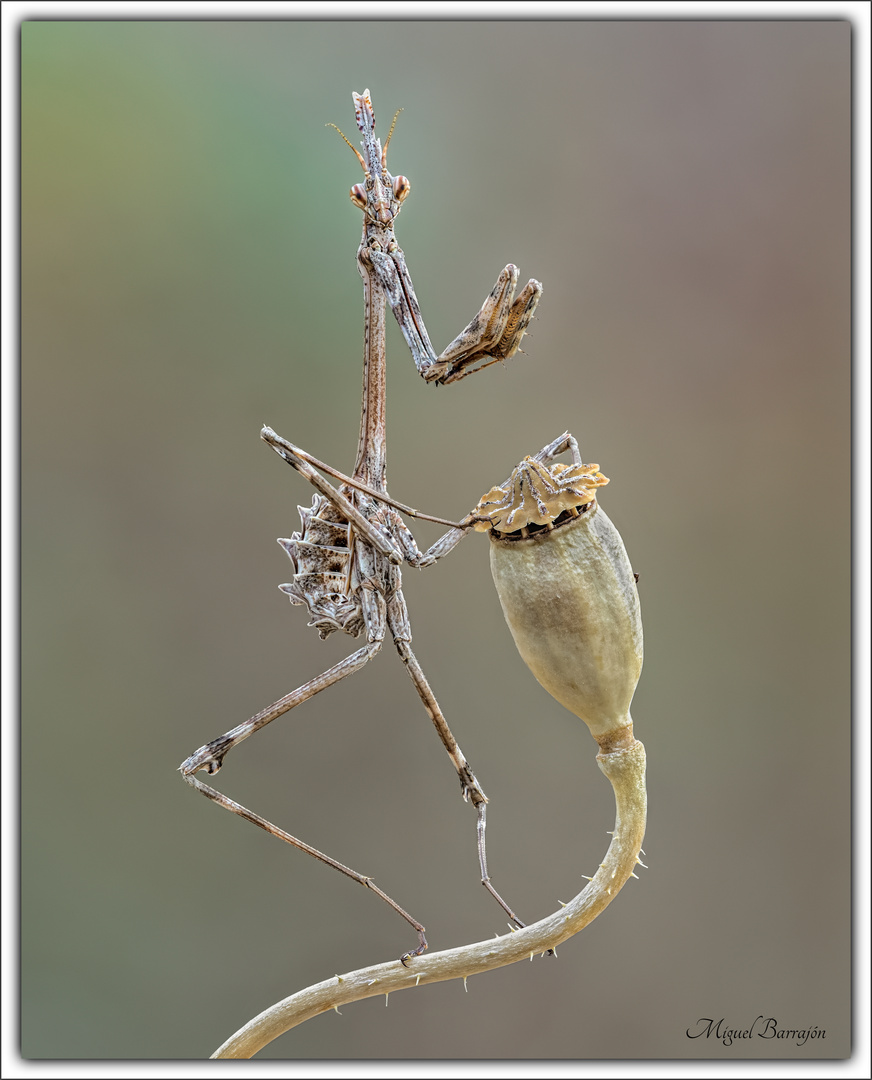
(348, 553)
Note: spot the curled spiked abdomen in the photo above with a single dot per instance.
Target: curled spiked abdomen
(321, 555)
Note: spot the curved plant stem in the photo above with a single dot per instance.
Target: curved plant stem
(625, 770)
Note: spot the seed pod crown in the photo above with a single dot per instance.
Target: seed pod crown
(537, 494)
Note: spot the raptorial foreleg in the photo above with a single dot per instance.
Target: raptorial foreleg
(494, 334)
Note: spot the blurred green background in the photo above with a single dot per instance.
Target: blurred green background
(682, 190)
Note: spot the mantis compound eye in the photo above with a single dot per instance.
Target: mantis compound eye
(402, 187)
(358, 196)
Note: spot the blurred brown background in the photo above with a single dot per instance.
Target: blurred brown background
(682, 190)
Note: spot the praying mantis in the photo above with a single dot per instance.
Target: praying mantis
(348, 554)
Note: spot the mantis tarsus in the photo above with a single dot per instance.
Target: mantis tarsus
(353, 541)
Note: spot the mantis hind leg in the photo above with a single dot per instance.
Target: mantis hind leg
(470, 788)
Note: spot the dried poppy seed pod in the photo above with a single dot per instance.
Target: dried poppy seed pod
(567, 591)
